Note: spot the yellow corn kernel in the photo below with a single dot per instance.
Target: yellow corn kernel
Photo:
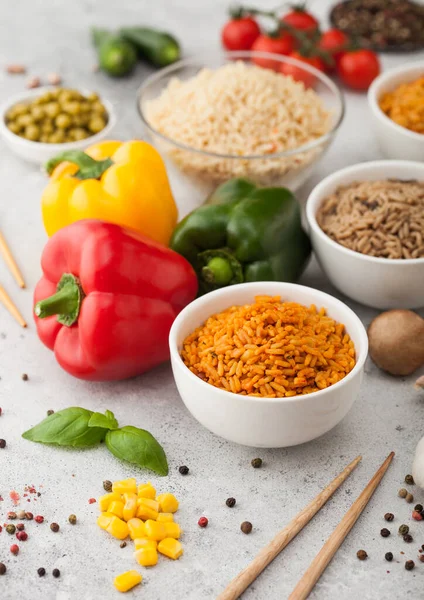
(154, 530)
(136, 528)
(146, 557)
(170, 548)
(126, 581)
(145, 543)
(104, 519)
(150, 503)
(145, 512)
(118, 528)
(168, 502)
(165, 517)
(130, 506)
(146, 490)
(173, 530)
(106, 499)
(126, 486)
(117, 508)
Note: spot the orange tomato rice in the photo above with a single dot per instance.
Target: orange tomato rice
(270, 349)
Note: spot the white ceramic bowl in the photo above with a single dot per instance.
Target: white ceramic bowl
(395, 141)
(40, 153)
(378, 282)
(266, 422)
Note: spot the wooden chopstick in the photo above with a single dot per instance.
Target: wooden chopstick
(324, 556)
(242, 581)
(7, 303)
(10, 261)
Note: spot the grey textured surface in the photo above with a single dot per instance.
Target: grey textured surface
(388, 414)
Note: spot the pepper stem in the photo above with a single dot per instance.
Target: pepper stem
(89, 168)
(218, 271)
(66, 303)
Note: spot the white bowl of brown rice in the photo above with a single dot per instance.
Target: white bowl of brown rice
(268, 364)
(366, 224)
(220, 116)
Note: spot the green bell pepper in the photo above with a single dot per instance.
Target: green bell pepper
(244, 233)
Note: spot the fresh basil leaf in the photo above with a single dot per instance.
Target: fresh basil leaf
(139, 447)
(107, 421)
(68, 427)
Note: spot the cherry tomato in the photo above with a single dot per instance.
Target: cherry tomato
(282, 44)
(301, 20)
(333, 41)
(298, 73)
(357, 69)
(239, 34)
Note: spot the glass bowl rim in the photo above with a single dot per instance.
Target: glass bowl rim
(243, 54)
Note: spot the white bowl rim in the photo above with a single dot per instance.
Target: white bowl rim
(23, 96)
(244, 54)
(373, 92)
(315, 198)
(322, 296)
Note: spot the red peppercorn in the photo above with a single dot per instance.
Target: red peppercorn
(203, 522)
(417, 515)
(0, 411)
(29, 516)
(22, 536)
(39, 519)
(1, 528)
(92, 501)
(14, 548)
(20, 526)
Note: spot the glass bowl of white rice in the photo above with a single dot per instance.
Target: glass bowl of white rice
(224, 115)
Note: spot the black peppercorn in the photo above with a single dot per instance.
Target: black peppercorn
(409, 480)
(2, 443)
(41, 571)
(123, 545)
(230, 502)
(388, 556)
(419, 508)
(25, 377)
(50, 412)
(389, 516)
(183, 470)
(107, 485)
(3, 569)
(408, 538)
(403, 529)
(246, 527)
(362, 555)
(409, 565)
(384, 532)
(56, 573)
(256, 463)
(54, 527)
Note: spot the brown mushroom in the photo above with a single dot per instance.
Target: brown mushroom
(396, 341)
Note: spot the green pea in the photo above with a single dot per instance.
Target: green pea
(96, 124)
(72, 108)
(78, 133)
(57, 137)
(63, 121)
(97, 107)
(14, 127)
(24, 120)
(37, 112)
(32, 132)
(47, 127)
(52, 109)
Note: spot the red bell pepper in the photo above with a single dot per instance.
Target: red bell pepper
(108, 298)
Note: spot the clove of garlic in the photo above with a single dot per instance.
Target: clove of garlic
(418, 464)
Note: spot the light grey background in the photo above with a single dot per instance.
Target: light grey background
(53, 36)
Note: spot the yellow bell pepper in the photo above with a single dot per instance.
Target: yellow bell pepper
(120, 182)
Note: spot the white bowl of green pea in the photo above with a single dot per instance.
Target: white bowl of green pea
(42, 123)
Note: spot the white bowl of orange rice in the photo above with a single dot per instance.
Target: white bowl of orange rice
(288, 382)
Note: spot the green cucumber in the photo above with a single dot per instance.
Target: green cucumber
(117, 56)
(159, 48)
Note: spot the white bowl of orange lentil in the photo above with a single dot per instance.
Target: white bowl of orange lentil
(266, 422)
